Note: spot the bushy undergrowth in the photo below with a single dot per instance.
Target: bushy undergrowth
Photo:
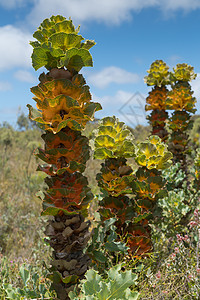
(171, 271)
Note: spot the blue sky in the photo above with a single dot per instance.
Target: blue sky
(130, 35)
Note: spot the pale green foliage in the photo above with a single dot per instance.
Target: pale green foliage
(183, 72)
(104, 243)
(153, 153)
(113, 139)
(59, 45)
(115, 286)
(158, 74)
(29, 282)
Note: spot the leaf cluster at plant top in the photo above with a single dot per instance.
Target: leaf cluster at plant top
(183, 72)
(113, 139)
(159, 74)
(153, 154)
(59, 45)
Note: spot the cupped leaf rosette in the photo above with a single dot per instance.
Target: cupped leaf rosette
(157, 119)
(148, 186)
(139, 239)
(157, 99)
(59, 45)
(158, 74)
(180, 121)
(181, 98)
(178, 144)
(66, 194)
(183, 72)
(113, 139)
(115, 177)
(116, 207)
(65, 151)
(153, 153)
(61, 103)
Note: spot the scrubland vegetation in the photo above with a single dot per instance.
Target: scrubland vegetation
(172, 270)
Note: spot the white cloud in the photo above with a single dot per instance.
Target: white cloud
(110, 12)
(10, 4)
(128, 107)
(15, 49)
(112, 74)
(5, 86)
(25, 76)
(173, 5)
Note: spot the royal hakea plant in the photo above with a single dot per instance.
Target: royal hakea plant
(148, 185)
(64, 107)
(114, 144)
(158, 77)
(181, 100)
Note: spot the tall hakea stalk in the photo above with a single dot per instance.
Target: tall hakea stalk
(156, 101)
(114, 143)
(64, 107)
(181, 100)
(152, 156)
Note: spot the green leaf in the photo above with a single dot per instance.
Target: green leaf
(77, 58)
(102, 153)
(39, 36)
(56, 277)
(64, 40)
(99, 256)
(39, 58)
(104, 141)
(116, 286)
(121, 283)
(25, 274)
(91, 108)
(116, 246)
(65, 26)
(53, 211)
(91, 286)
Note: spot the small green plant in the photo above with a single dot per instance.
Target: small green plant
(105, 247)
(115, 286)
(177, 274)
(30, 282)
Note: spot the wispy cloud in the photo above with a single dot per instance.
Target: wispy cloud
(110, 12)
(15, 49)
(173, 5)
(25, 76)
(112, 75)
(11, 4)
